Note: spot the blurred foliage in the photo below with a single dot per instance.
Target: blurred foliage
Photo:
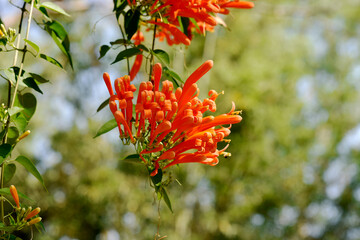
(292, 67)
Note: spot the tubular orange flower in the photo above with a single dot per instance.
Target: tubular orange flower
(178, 35)
(136, 66)
(15, 195)
(169, 123)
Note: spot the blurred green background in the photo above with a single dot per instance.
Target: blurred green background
(293, 67)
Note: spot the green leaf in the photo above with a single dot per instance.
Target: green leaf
(131, 22)
(12, 222)
(103, 50)
(2, 134)
(31, 168)
(30, 82)
(20, 122)
(57, 28)
(6, 191)
(43, 10)
(5, 228)
(54, 7)
(103, 104)
(143, 47)
(133, 158)
(51, 60)
(13, 134)
(119, 6)
(120, 42)
(162, 56)
(175, 77)
(33, 45)
(108, 126)
(14, 110)
(9, 172)
(157, 179)
(28, 102)
(38, 78)
(184, 24)
(5, 150)
(60, 37)
(126, 54)
(166, 198)
(195, 23)
(40, 227)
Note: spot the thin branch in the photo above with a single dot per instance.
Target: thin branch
(127, 58)
(16, 86)
(23, 57)
(152, 52)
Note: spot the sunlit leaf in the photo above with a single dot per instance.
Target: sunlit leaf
(108, 126)
(31, 168)
(54, 7)
(57, 28)
(51, 60)
(20, 121)
(14, 110)
(33, 45)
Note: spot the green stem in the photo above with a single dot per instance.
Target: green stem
(16, 88)
(127, 59)
(152, 52)
(23, 9)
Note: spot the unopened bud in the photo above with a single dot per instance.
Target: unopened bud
(2, 30)
(33, 213)
(34, 221)
(27, 212)
(22, 212)
(15, 195)
(24, 135)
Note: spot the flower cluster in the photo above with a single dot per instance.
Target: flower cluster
(168, 125)
(177, 20)
(24, 217)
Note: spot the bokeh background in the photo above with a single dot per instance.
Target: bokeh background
(293, 67)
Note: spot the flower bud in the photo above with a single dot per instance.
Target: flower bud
(2, 30)
(33, 213)
(21, 212)
(24, 135)
(14, 194)
(34, 221)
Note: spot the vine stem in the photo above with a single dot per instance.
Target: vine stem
(152, 52)
(16, 87)
(23, 57)
(127, 58)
